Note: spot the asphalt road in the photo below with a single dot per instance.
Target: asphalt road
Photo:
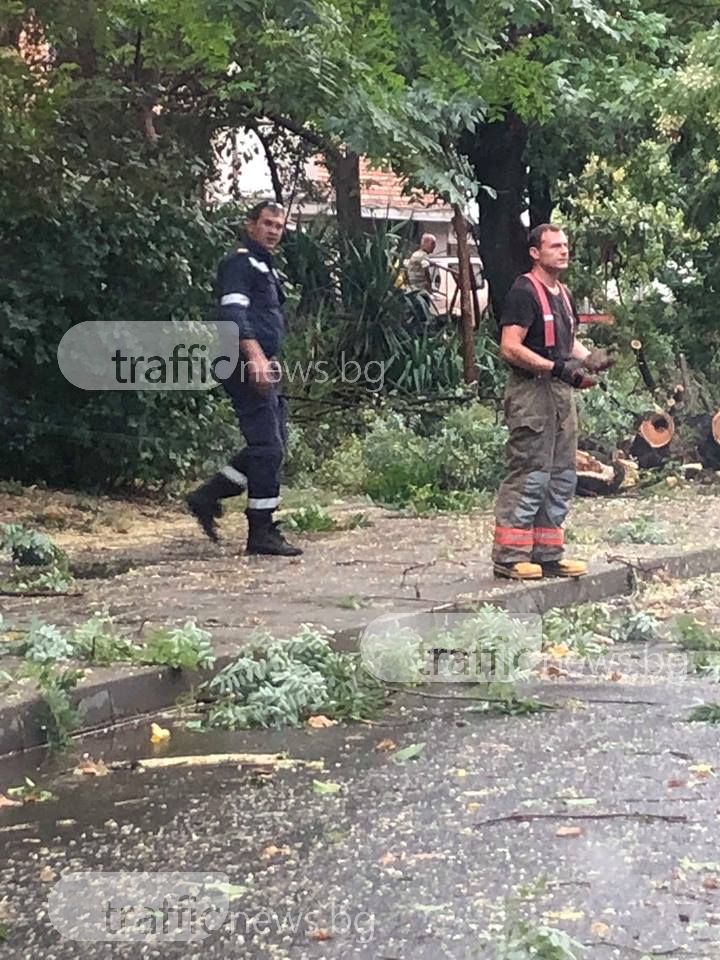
(597, 819)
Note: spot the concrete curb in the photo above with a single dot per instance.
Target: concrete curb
(123, 693)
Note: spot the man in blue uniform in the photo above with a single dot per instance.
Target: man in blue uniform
(249, 295)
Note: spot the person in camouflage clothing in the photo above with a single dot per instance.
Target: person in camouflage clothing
(548, 363)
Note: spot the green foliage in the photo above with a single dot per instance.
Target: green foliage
(488, 648)
(183, 648)
(463, 456)
(639, 530)
(526, 941)
(693, 634)
(38, 564)
(45, 643)
(282, 682)
(587, 628)
(54, 687)
(311, 519)
(605, 413)
(27, 547)
(29, 792)
(99, 642)
(344, 470)
(314, 519)
(705, 713)
(577, 627)
(397, 460)
(469, 449)
(636, 627)
(429, 463)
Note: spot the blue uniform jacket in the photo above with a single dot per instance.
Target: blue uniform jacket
(249, 293)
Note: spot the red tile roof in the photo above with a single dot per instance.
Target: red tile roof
(379, 188)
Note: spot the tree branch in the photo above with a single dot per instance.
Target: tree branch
(287, 123)
(271, 162)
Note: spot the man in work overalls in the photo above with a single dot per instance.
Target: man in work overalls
(547, 365)
(250, 296)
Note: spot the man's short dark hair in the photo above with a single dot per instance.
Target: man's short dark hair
(271, 205)
(537, 233)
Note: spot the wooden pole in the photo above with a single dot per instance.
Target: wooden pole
(467, 330)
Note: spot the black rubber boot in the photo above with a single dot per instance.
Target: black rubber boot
(204, 503)
(264, 537)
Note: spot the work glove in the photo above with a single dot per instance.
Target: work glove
(573, 372)
(598, 360)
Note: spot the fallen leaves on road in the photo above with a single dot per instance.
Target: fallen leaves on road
(158, 734)
(326, 787)
(701, 770)
(382, 746)
(553, 672)
(30, 793)
(7, 802)
(559, 650)
(321, 722)
(387, 859)
(600, 929)
(47, 875)
(408, 753)
(91, 768)
(676, 782)
(232, 891)
(566, 913)
(568, 832)
(272, 851)
(321, 935)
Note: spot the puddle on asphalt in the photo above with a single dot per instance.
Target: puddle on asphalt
(154, 796)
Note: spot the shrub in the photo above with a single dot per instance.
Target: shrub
(469, 450)
(397, 460)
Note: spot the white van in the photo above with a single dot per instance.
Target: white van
(445, 294)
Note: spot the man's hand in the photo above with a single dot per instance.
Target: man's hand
(263, 372)
(260, 371)
(598, 360)
(573, 372)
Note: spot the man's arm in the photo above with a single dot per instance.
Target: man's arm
(579, 351)
(514, 351)
(235, 291)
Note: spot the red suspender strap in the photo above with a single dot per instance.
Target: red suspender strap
(568, 307)
(549, 319)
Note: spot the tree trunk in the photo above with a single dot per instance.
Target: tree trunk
(467, 329)
(594, 478)
(345, 173)
(541, 202)
(709, 442)
(497, 154)
(651, 446)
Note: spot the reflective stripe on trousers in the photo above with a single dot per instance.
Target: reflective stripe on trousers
(535, 496)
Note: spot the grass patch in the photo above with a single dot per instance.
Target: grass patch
(705, 713)
(639, 530)
(315, 519)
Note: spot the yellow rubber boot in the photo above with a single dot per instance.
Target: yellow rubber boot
(564, 568)
(523, 570)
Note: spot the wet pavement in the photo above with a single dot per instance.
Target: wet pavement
(599, 818)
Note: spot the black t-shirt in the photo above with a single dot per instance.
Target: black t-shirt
(523, 310)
